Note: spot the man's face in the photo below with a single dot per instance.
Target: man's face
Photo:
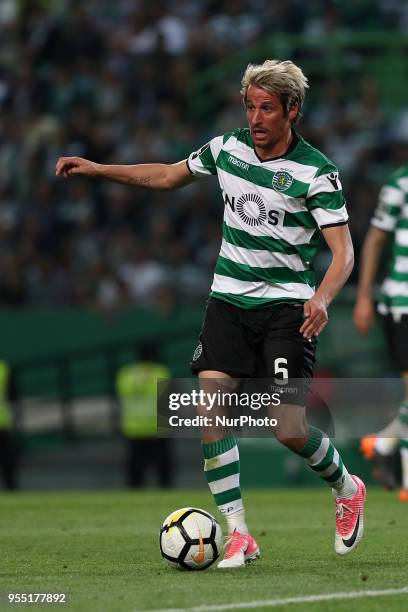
(266, 117)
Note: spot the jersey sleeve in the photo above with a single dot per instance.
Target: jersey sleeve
(204, 161)
(390, 202)
(325, 198)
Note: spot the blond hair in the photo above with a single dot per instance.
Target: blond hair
(282, 78)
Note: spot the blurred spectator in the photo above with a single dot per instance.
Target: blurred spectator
(12, 286)
(141, 274)
(110, 293)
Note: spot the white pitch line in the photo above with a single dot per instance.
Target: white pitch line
(272, 603)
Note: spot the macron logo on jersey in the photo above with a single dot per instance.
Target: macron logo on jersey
(237, 162)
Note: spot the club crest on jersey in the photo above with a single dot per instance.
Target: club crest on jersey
(282, 180)
(251, 208)
(197, 352)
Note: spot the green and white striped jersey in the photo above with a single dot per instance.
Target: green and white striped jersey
(274, 211)
(391, 215)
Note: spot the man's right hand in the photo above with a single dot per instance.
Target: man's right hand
(68, 166)
(364, 315)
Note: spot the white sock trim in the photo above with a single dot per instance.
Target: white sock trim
(345, 487)
(236, 521)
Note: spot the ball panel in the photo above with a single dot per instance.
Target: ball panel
(172, 541)
(200, 556)
(198, 523)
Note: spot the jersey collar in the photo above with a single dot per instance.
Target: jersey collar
(289, 150)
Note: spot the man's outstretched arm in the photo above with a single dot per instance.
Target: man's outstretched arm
(151, 176)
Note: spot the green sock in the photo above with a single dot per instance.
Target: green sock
(323, 458)
(222, 470)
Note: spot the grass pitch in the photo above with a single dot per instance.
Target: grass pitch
(101, 549)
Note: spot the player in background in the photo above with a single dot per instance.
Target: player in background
(264, 312)
(390, 220)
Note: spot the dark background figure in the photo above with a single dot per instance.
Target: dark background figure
(136, 386)
(8, 449)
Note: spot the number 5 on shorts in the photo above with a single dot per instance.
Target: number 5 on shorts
(279, 369)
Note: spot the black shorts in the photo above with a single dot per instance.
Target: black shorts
(396, 333)
(256, 343)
